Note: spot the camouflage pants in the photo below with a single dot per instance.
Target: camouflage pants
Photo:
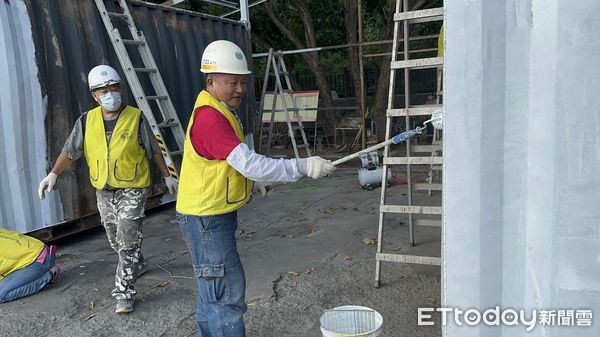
(122, 214)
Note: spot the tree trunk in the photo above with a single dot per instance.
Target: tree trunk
(378, 112)
(351, 19)
(312, 59)
(315, 66)
(383, 82)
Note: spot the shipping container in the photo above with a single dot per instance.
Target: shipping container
(46, 51)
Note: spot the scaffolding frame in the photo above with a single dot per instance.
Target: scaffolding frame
(242, 7)
(416, 16)
(362, 108)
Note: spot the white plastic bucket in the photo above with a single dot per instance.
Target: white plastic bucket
(351, 321)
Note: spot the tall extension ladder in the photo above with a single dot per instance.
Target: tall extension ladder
(275, 68)
(405, 17)
(169, 119)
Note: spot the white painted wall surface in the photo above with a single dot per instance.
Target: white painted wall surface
(522, 161)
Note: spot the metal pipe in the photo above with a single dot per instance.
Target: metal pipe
(397, 139)
(363, 96)
(411, 233)
(223, 3)
(172, 2)
(410, 52)
(386, 153)
(370, 43)
(237, 10)
(244, 13)
(339, 108)
(216, 2)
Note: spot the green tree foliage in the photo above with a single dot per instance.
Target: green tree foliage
(328, 21)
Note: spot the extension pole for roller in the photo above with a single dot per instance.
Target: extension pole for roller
(360, 153)
(397, 139)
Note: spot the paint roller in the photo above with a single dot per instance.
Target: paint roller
(437, 120)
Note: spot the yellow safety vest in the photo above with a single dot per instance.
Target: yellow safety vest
(211, 187)
(123, 162)
(17, 251)
(440, 52)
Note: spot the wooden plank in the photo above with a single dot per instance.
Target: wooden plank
(428, 19)
(431, 62)
(403, 209)
(427, 187)
(425, 148)
(428, 260)
(414, 111)
(428, 222)
(437, 13)
(412, 160)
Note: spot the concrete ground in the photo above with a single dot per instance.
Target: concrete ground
(306, 247)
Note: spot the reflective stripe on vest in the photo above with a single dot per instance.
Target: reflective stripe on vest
(123, 162)
(211, 187)
(17, 251)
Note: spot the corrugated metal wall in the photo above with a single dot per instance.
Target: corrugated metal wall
(46, 50)
(23, 141)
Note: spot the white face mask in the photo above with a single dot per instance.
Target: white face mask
(111, 101)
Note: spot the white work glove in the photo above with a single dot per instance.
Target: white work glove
(315, 167)
(172, 184)
(47, 184)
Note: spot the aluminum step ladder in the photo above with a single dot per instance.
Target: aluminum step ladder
(168, 123)
(405, 17)
(435, 149)
(435, 171)
(275, 69)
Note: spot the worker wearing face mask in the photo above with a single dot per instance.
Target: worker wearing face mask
(217, 175)
(117, 143)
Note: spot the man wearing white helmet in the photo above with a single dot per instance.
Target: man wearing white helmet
(217, 176)
(117, 143)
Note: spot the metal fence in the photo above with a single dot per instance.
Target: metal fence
(423, 81)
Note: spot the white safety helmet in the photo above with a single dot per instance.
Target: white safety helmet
(224, 57)
(102, 76)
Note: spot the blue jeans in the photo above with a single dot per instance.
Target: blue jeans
(219, 274)
(26, 281)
